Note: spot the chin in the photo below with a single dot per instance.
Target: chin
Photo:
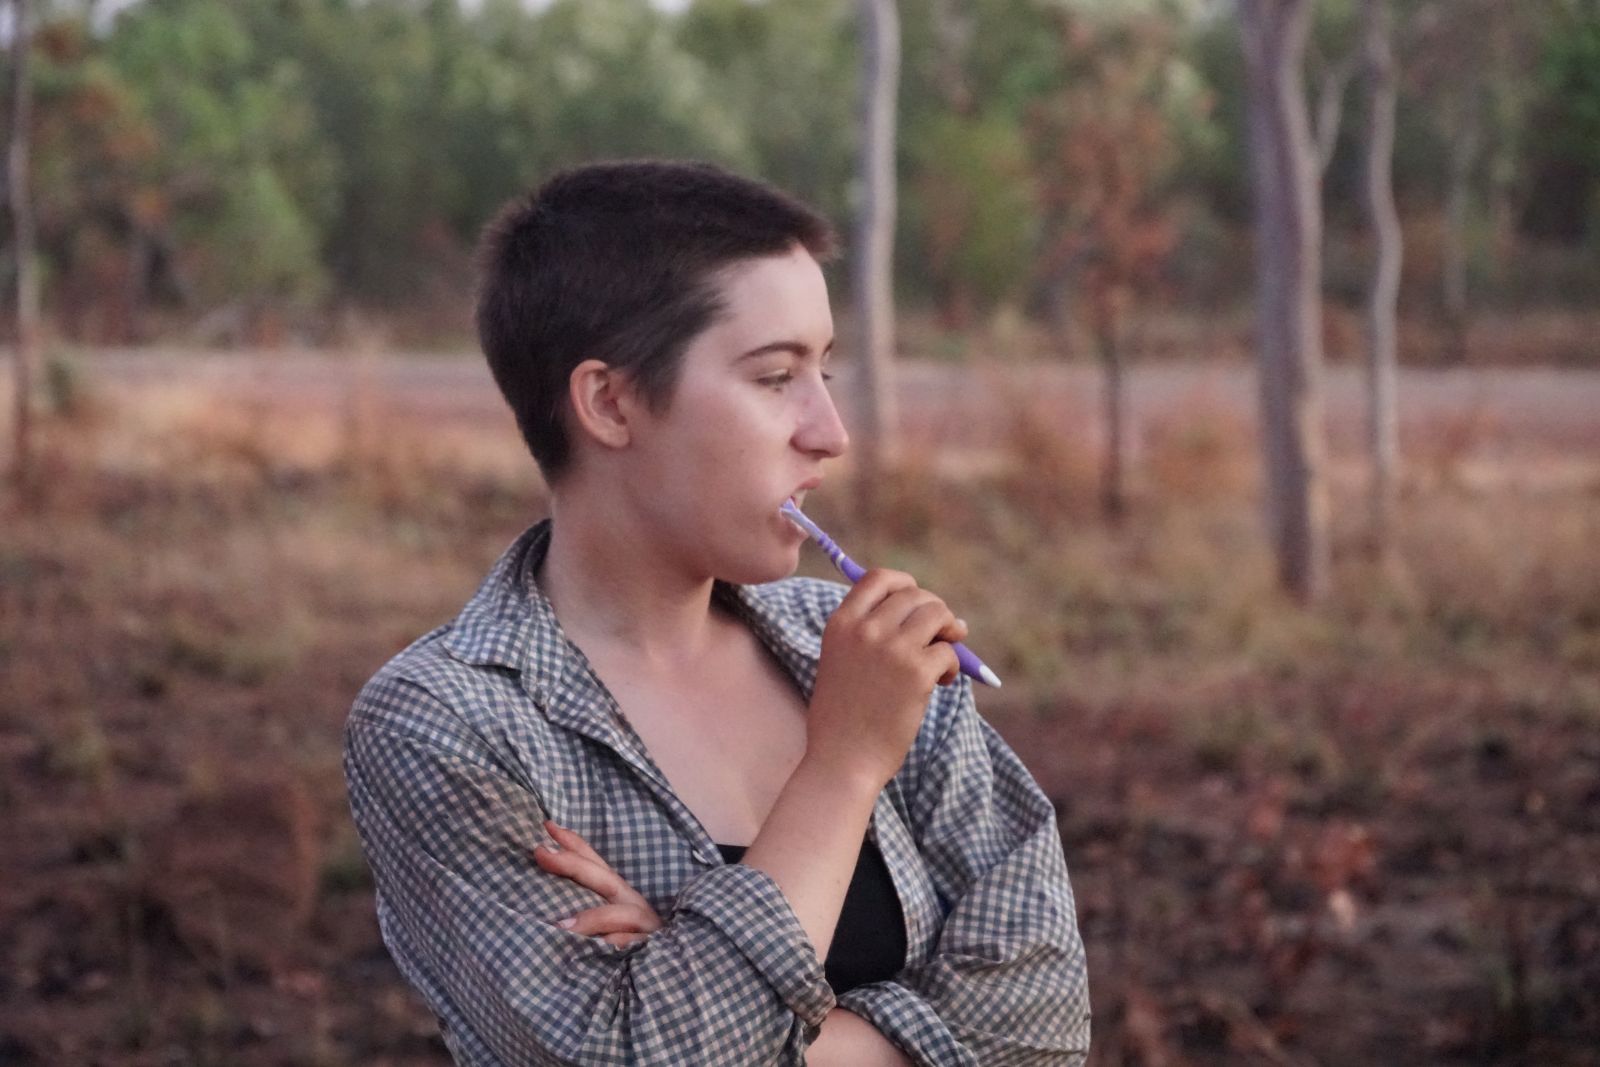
(759, 571)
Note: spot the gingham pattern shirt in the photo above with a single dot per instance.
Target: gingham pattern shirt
(460, 747)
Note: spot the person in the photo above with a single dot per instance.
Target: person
(647, 799)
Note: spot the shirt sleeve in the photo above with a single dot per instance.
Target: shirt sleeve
(1006, 983)
(730, 978)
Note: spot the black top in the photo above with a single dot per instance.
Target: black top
(869, 943)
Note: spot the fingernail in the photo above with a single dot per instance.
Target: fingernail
(549, 846)
(567, 924)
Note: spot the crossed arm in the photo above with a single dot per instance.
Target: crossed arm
(846, 1040)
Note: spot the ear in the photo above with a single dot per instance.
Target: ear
(603, 402)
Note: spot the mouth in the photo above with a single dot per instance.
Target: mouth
(799, 495)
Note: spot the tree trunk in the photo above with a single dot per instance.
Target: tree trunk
(1113, 476)
(1288, 242)
(873, 261)
(1384, 295)
(26, 360)
(1330, 109)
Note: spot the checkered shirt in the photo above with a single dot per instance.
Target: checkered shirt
(459, 748)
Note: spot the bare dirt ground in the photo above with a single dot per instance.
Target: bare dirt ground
(1364, 835)
(1537, 407)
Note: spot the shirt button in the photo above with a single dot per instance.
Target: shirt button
(701, 855)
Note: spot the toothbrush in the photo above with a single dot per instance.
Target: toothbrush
(971, 665)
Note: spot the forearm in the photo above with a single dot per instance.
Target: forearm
(847, 1040)
(811, 841)
(666, 1000)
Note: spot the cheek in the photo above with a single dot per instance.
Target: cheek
(727, 433)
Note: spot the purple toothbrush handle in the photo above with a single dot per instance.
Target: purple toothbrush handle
(971, 665)
(852, 570)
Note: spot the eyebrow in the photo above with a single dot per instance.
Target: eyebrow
(794, 348)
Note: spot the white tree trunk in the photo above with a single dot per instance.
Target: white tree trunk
(1330, 108)
(1288, 241)
(873, 259)
(26, 363)
(1384, 295)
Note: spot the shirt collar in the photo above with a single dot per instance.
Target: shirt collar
(509, 623)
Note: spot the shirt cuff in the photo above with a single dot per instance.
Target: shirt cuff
(910, 1022)
(749, 909)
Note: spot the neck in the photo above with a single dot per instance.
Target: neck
(612, 587)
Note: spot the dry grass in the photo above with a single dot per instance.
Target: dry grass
(1256, 798)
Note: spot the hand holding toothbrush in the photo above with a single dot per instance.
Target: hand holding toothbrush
(971, 665)
(885, 647)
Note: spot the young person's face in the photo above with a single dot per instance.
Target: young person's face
(749, 424)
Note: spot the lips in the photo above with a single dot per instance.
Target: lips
(799, 495)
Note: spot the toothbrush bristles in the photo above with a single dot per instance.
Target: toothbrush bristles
(798, 517)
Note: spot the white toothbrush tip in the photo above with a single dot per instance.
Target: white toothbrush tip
(988, 677)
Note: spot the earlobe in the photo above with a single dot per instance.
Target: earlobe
(600, 408)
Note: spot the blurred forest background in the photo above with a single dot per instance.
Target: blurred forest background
(1355, 819)
(355, 148)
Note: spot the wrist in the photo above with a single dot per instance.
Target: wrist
(836, 771)
(847, 1038)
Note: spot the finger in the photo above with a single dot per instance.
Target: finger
(584, 871)
(902, 605)
(941, 657)
(928, 622)
(592, 874)
(612, 919)
(874, 586)
(572, 841)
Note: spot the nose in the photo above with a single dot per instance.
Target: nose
(821, 432)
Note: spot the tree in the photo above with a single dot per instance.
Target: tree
(872, 261)
(1103, 177)
(240, 162)
(787, 76)
(971, 204)
(972, 211)
(1288, 242)
(973, 71)
(1384, 294)
(1563, 201)
(1469, 65)
(26, 358)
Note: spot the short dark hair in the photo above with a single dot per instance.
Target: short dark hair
(617, 261)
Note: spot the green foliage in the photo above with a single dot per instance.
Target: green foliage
(235, 180)
(258, 214)
(973, 211)
(786, 76)
(1570, 78)
(1565, 137)
(294, 154)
